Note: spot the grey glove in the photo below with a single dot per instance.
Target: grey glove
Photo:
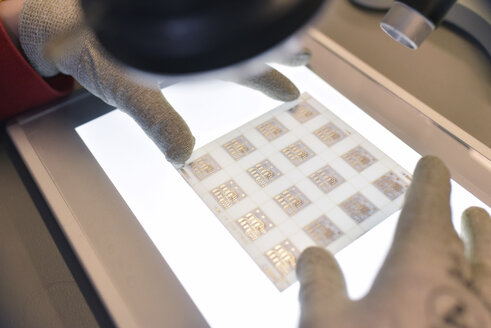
(55, 39)
(430, 278)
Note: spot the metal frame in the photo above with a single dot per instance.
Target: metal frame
(126, 269)
(133, 280)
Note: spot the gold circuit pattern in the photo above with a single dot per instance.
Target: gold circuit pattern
(298, 153)
(359, 158)
(283, 257)
(227, 194)
(292, 201)
(204, 166)
(239, 147)
(274, 276)
(330, 134)
(255, 224)
(271, 129)
(326, 179)
(358, 207)
(264, 173)
(390, 185)
(323, 231)
(303, 112)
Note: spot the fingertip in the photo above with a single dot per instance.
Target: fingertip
(432, 167)
(475, 213)
(273, 84)
(312, 254)
(301, 58)
(476, 219)
(278, 86)
(180, 151)
(315, 263)
(431, 184)
(307, 258)
(320, 277)
(476, 233)
(290, 93)
(426, 214)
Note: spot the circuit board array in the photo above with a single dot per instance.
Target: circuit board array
(295, 177)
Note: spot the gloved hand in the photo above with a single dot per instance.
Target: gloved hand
(430, 278)
(54, 39)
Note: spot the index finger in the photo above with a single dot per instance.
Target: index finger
(426, 216)
(425, 238)
(322, 285)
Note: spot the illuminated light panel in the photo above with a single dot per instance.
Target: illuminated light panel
(119, 146)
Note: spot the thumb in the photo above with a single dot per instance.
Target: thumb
(476, 231)
(322, 285)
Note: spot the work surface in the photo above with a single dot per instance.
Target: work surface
(38, 288)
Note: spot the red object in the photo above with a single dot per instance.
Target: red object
(21, 87)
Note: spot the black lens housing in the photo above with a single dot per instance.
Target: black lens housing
(191, 36)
